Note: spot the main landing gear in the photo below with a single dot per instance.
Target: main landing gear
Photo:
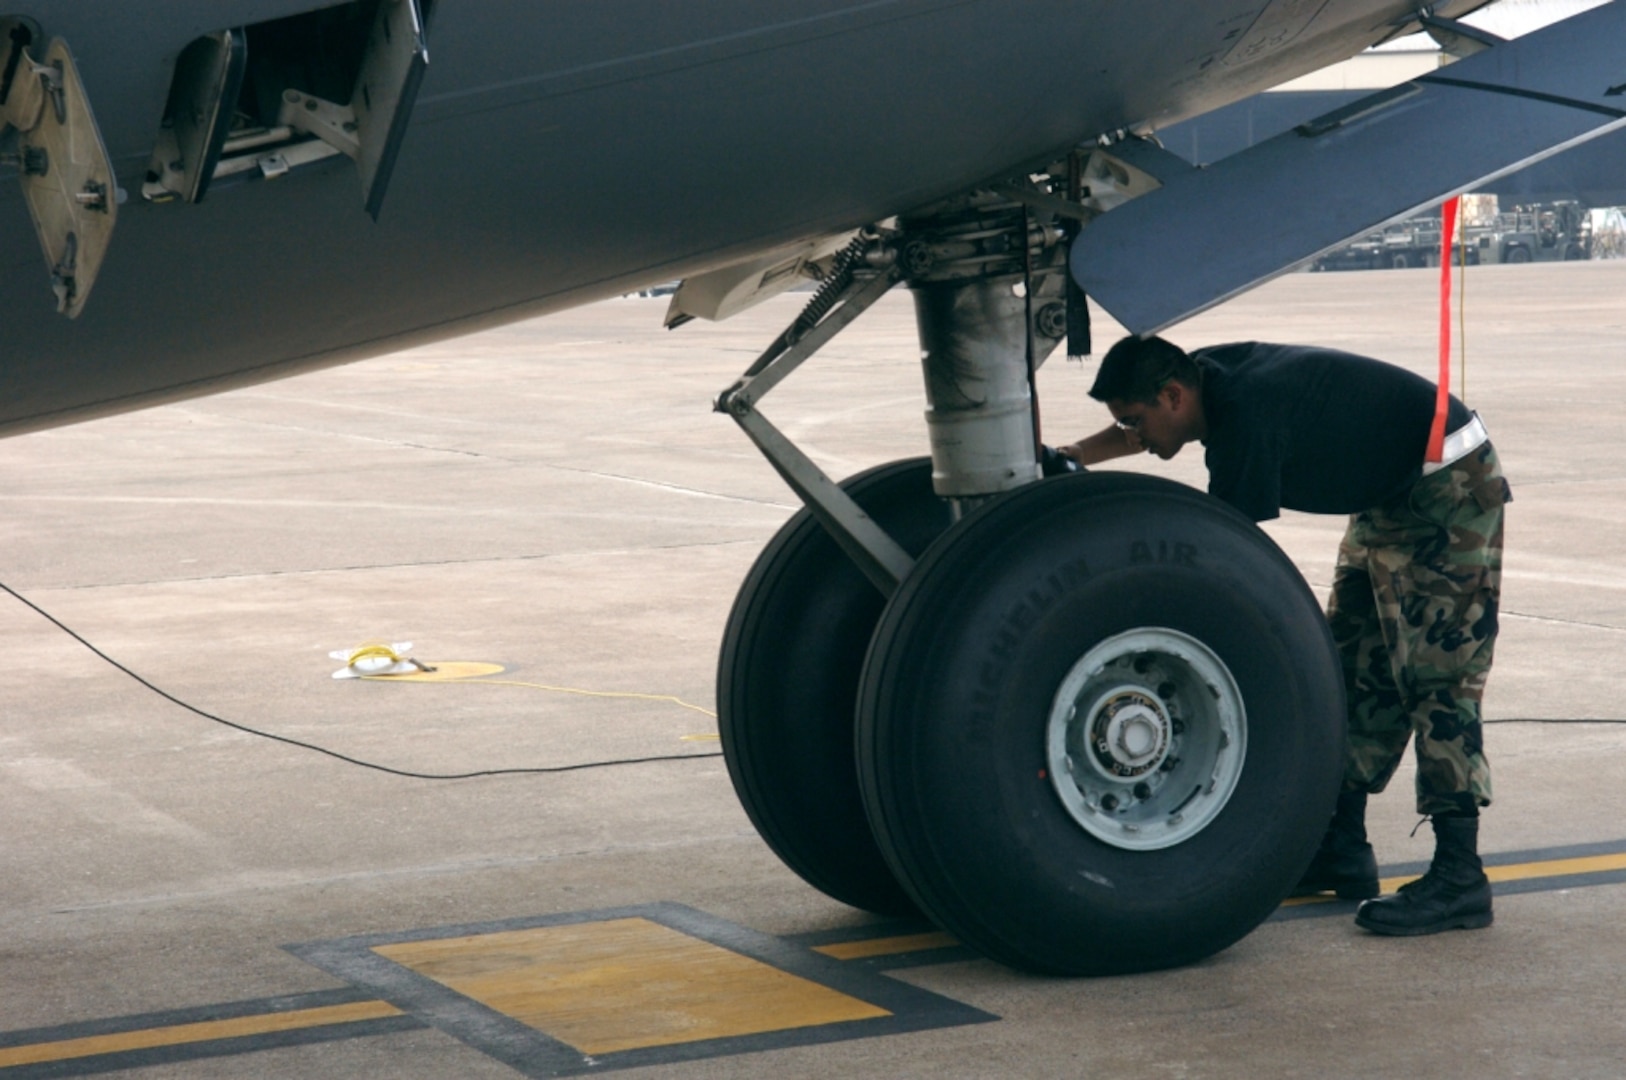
(1089, 724)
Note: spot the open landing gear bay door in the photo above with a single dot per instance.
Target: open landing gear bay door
(385, 92)
(207, 136)
(1208, 234)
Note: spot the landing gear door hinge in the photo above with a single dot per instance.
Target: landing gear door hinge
(66, 174)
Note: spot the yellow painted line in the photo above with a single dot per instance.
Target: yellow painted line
(888, 946)
(203, 1031)
(1588, 864)
(625, 984)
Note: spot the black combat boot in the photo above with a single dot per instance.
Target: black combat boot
(1453, 895)
(1344, 864)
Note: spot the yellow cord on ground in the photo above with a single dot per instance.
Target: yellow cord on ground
(454, 671)
(667, 698)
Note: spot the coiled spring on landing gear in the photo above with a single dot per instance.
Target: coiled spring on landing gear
(835, 283)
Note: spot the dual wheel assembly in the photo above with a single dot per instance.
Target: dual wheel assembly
(1096, 729)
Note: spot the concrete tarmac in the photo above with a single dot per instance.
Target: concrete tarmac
(557, 498)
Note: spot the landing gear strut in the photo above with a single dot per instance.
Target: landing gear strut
(1088, 725)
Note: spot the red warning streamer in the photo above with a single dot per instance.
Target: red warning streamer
(1442, 401)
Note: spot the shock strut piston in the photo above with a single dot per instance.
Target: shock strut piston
(990, 304)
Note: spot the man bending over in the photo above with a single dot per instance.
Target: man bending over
(1414, 596)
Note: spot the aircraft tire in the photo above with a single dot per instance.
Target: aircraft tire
(1046, 618)
(787, 687)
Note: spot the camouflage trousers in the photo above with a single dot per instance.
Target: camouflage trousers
(1413, 612)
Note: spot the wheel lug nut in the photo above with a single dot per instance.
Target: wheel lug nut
(1109, 802)
(1143, 790)
(1166, 689)
(1179, 727)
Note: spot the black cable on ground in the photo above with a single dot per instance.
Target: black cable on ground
(166, 695)
(408, 773)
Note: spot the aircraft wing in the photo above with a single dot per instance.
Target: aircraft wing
(1210, 233)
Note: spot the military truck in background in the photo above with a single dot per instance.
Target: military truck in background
(1394, 247)
(1366, 253)
(1541, 232)
(1409, 243)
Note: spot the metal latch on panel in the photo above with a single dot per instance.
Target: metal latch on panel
(47, 130)
(371, 127)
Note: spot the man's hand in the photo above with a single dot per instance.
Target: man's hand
(1104, 445)
(1054, 462)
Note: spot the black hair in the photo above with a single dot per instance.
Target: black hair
(1135, 369)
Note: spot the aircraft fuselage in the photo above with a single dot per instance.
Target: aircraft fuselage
(560, 155)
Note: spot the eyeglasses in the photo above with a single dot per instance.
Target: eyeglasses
(1131, 424)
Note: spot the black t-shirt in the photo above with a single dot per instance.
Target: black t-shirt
(1312, 429)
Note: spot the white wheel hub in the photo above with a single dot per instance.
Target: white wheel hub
(1146, 739)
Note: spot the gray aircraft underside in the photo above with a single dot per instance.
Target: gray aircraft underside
(558, 154)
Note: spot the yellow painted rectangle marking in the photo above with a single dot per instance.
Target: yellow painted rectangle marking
(1587, 864)
(625, 984)
(888, 946)
(177, 1034)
